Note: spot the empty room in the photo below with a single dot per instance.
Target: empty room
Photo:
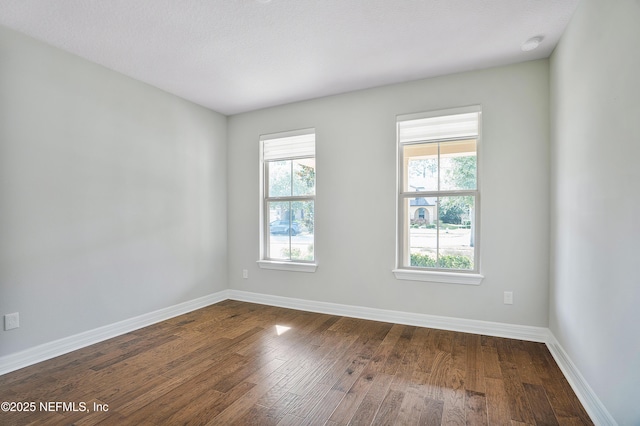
(322, 212)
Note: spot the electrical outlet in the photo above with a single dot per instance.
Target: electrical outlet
(508, 298)
(11, 321)
(245, 273)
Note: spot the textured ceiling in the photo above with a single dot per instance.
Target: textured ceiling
(239, 55)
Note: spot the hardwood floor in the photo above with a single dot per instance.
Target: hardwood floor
(237, 363)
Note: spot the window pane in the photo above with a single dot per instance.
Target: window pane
(279, 173)
(440, 233)
(455, 232)
(422, 233)
(279, 225)
(421, 167)
(291, 235)
(458, 165)
(304, 176)
(302, 213)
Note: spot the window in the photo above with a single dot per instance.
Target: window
(289, 189)
(438, 196)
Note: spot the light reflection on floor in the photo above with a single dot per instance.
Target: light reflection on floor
(281, 329)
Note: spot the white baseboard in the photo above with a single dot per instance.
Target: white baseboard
(511, 331)
(589, 399)
(596, 410)
(65, 345)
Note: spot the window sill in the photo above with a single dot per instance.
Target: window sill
(287, 266)
(438, 277)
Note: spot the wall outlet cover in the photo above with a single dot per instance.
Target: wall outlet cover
(11, 321)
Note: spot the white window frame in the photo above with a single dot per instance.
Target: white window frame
(280, 264)
(441, 275)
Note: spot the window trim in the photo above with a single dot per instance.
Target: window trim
(453, 276)
(282, 264)
(431, 275)
(287, 265)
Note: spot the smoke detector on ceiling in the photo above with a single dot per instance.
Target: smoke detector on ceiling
(532, 43)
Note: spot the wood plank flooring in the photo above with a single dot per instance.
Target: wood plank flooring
(237, 363)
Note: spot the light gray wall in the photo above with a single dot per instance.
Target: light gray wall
(595, 288)
(112, 195)
(355, 202)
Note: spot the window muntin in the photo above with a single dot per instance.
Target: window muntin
(438, 192)
(289, 196)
